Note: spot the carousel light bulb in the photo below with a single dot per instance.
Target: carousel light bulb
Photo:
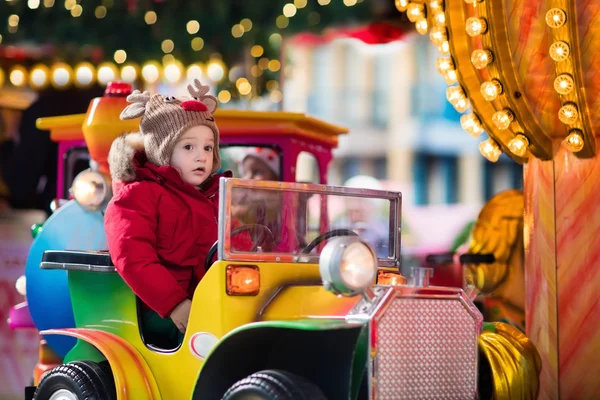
(575, 141)
(491, 89)
(440, 18)
(444, 48)
(568, 114)
(444, 64)
(422, 26)
(481, 58)
(471, 1)
(436, 4)
(462, 105)
(502, 119)
(450, 77)
(490, 150)
(476, 26)
(18, 76)
(518, 145)
(84, 75)
(471, 124)
(555, 18)
(563, 84)
(151, 72)
(438, 35)
(415, 11)
(454, 94)
(38, 78)
(401, 5)
(559, 51)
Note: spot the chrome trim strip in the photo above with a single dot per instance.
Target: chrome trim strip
(77, 267)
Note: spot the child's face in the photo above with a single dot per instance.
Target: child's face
(193, 154)
(255, 168)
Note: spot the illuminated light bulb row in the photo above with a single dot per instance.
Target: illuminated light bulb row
(471, 124)
(62, 75)
(491, 89)
(564, 83)
(415, 12)
(491, 150)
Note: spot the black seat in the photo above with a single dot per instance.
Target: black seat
(98, 261)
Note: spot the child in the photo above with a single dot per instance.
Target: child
(162, 219)
(261, 163)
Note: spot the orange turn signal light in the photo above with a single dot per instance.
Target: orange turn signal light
(390, 278)
(243, 280)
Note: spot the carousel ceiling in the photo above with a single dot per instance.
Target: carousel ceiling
(526, 72)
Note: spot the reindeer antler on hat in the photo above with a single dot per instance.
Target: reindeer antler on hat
(138, 106)
(199, 92)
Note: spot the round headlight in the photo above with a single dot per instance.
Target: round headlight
(21, 285)
(91, 190)
(348, 265)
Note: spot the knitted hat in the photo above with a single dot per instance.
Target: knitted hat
(267, 155)
(165, 118)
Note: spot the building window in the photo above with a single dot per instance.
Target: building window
(381, 168)
(500, 176)
(435, 179)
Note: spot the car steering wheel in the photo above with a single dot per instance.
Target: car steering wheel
(327, 235)
(264, 234)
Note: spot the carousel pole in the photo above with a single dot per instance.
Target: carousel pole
(562, 251)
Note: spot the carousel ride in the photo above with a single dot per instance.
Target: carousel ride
(526, 73)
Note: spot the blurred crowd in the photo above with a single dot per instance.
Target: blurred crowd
(28, 158)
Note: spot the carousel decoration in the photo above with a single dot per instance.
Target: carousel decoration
(522, 100)
(526, 73)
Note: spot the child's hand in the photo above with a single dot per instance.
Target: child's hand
(181, 314)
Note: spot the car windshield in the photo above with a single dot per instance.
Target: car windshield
(291, 222)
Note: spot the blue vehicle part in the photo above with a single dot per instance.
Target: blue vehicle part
(69, 228)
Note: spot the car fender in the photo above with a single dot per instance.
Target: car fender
(321, 350)
(133, 377)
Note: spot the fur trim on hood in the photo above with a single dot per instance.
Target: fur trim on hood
(121, 154)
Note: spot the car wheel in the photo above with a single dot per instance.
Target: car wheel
(79, 380)
(274, 385)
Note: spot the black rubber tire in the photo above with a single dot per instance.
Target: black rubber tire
(274, 385)
(85, 379)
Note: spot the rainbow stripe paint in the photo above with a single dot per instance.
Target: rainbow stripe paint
(562, 250)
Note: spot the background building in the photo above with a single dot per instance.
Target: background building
(403, 130)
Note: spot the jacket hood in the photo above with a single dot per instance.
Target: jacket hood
(122, 154)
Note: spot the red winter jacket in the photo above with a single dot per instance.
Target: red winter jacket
(159, 228)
